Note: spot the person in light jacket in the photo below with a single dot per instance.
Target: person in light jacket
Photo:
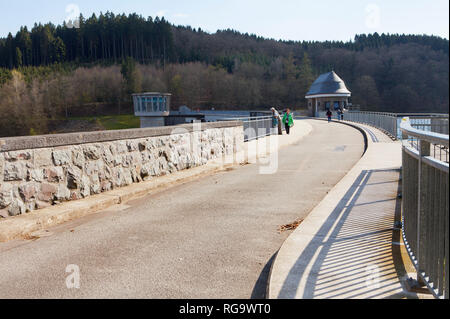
(276, 121)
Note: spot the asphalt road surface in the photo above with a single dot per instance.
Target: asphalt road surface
(210, 238)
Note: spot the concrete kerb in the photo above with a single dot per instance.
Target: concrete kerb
(367, 144)
(23, 226)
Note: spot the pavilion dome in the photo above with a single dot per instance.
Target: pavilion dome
(328, 83)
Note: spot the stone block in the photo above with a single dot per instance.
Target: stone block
(74, 176)
(2, 166)
(127, 177)
(54, 174)
(105, 174)
(108, 156)
(47, 192)
(62, 157)
(121, 147)
(63, 193)
(142, 146)
(117, 176)
(15, 171)
(31, 206)
(106, 186)
(150, 144)
(75, 195)
(28, 192)
(42, 157)
(146, 157)
(6, 195)
(146, 171)
(92, 152)
(94, 167)
(14, 156)
(127, 160)
(95, 186)
(112, 148)
(35, 175)
(78, 157)
(85, 188)
(16, 208)
(132, 146)
(135, 174)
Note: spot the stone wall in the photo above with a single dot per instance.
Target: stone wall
(36, 172)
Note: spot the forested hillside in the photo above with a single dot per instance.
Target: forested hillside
(51, 72)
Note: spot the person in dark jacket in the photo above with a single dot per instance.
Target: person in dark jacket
(329, 115)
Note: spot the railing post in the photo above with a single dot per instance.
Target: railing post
(395, 126)
(423, 192)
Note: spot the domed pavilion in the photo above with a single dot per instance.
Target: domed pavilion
(328, 92)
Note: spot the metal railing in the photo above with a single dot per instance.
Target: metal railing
(433, 124)
(389, 122)
(255, 127)
(425, 209)
(384, 121)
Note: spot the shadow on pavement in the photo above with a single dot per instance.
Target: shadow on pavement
(356, 252)
(260, 288)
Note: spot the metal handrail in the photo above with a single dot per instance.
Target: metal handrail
(430, 137)
(425, 208)
(403, 114)
(388, 122)
(245, 119)
(255, 127)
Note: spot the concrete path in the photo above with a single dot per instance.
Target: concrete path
(210, 238)
(348, 246)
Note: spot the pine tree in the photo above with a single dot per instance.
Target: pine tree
(18, 58)
(131, 75)
(306, 74)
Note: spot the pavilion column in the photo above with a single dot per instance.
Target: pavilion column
(315, 113)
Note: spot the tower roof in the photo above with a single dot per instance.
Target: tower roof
(328, 83)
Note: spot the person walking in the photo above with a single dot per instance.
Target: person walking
(288, 121)
(329, 115)
(276, 121)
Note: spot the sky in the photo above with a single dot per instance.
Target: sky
(278, 19)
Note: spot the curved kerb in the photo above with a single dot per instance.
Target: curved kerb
(367, 143)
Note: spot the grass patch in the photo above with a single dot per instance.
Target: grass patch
(113, 122)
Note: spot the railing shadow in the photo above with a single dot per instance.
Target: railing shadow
(259, 290)
(355, 253)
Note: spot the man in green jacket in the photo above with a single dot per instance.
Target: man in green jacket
(288, 121)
